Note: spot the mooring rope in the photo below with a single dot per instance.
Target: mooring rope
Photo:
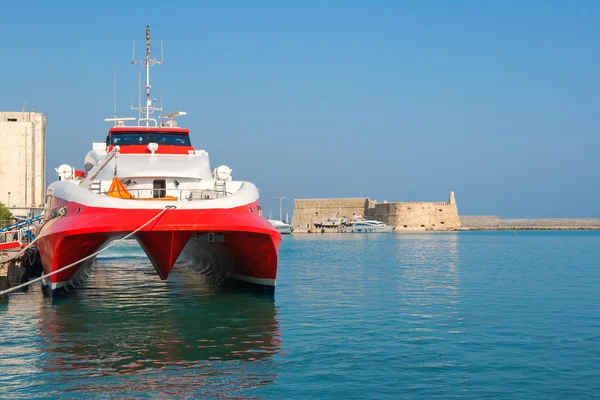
(12, 289)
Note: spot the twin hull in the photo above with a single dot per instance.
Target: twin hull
(225, 238)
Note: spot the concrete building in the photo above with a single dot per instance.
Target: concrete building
(22, 159)
(405, 216)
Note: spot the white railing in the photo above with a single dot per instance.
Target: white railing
(174, 194)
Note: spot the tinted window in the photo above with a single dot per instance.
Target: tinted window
(124, 139)
(170, 139)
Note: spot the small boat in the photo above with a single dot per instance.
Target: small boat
(361, 225)
(332, 222)
(282, 227)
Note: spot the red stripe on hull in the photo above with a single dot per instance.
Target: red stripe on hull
(248, 237)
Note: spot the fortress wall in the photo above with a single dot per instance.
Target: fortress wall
(495, 222)
(479, 221)
(418, 215)
(309, 211)
(550, 223)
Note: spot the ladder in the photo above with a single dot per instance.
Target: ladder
(220, 188)
(95, 187)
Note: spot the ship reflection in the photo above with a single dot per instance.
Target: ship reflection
(128, 323)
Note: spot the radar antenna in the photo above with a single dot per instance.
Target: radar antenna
(149, 107)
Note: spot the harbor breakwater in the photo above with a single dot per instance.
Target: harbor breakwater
(493, 222)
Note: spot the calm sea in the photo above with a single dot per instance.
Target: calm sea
(498, 315)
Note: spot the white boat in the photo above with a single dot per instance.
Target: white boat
(360, 225)
(282, 227)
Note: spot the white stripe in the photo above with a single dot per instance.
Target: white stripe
(260, 281)
(54, 285)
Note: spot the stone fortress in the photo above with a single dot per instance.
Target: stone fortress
(405, 216)
(421, 216)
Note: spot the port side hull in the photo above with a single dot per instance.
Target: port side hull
(237, 242)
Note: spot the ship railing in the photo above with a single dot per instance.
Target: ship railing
(171, 194)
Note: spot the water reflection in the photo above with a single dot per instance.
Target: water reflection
(126, 321)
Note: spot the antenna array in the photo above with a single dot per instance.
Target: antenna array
(149, 106)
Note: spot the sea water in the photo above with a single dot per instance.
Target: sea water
(498, 315)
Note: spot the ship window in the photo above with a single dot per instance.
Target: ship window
(170, 139)
(160, 188)
(442, 222)
(11, 119)
(124, 139)
(162, 138)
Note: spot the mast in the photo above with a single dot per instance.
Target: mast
(148, 62)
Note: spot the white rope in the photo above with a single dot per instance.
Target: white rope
(12, 289)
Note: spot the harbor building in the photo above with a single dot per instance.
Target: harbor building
(405, 216)
(22, 160)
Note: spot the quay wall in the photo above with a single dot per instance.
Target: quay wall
(551, 223)
(495, 222)
(479, 221)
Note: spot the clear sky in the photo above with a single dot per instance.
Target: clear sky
(395, 100)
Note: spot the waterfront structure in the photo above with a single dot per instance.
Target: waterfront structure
(22, 159)
(405, 216)
(494, 222)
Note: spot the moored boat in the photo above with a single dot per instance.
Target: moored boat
(361, 225)
(282, 227)
(148, 181)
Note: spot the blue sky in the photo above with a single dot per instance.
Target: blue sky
(395, 100)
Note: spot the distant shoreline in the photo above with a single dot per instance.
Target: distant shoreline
(467, 229)
(539, 228)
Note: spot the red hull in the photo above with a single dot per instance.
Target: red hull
(242, 236)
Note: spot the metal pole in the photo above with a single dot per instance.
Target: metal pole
(147, 75)
(8, 205)
(280, 207)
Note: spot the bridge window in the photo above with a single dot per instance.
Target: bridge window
(143, 138)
